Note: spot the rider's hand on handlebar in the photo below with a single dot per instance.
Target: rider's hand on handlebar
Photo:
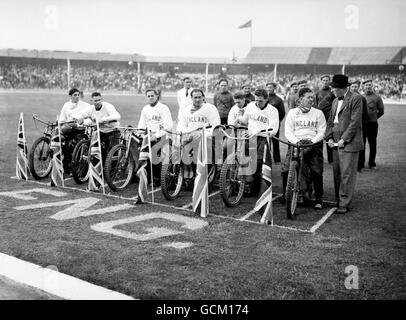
(79, 121)
(153, 137)
(87, 122)
(304, 142)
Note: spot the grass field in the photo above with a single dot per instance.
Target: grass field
(222, 257)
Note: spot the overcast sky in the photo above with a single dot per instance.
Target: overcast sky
(198, 28)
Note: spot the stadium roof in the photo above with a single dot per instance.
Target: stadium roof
(195, 60)
(45, 54)
(363, 55)
(281, 55)
(326, 55)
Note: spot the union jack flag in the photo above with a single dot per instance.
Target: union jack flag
(142, 167)
(22, 169)
(96, 177)
(57, 172)
(200, 198)
(266, 197)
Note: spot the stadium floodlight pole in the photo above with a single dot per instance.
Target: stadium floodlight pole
(251, 36)
(139, 76)
(207, 77)
(68, 71)
(275, 70)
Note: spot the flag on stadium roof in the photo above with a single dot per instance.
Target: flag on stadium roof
(246, 25)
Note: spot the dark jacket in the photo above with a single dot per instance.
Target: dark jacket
(223, 102)
(349, 122)
(277, 102)
(324, 101)
(249, 97)
(375, 107)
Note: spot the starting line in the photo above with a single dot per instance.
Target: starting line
(54, 282)
(185, 208)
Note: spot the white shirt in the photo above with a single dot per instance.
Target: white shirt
(183, 100)
(258, 119)
(156, 117)
(234, 113)
(310, 125)
(71, 111)
(190, 120)
(339, 105)
(106, 113)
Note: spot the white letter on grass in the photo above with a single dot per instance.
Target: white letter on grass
(78, 208)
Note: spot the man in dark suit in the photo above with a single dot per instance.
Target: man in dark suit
(344, 134)
(324, 100)
(277, 102)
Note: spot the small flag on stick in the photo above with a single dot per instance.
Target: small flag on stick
(22, 170)
(57, 172)
(200, 198)
(142, 169)
(266, 197)
(96, 177)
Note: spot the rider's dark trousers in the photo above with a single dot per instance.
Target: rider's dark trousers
(312, 170)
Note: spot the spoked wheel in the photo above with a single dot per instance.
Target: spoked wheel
(231, 184)
(80, 161)
(171, 180)
(292, 189)
(40, 158)
(119, 169)
(211, 174)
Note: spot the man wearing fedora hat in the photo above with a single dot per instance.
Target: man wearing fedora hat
(344, 135)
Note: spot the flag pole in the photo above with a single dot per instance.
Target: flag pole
(68, 72)
(251, 36)
(275, 70)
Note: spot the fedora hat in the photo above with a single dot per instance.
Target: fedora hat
(340, 81)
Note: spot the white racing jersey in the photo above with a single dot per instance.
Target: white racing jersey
(310, 125)
(71, 111)
(234, 113)
(156, 117)
(190, 120)
(267, 118)
(106, 113)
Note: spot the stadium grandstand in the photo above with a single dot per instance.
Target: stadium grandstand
(42, 69)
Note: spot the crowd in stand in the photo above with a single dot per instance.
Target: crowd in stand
(119, 78)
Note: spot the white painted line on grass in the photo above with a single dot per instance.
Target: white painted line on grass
(191, 203)
(292, 228)
(173, 207)
(249, 214)
(155, 190)
(54, 282)
(322, 220)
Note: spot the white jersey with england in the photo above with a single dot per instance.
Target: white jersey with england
(234, 113)
(106, 113)
(156, 117)
(310, 125)
(191, 119)
(262, 119)
(71, 111)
